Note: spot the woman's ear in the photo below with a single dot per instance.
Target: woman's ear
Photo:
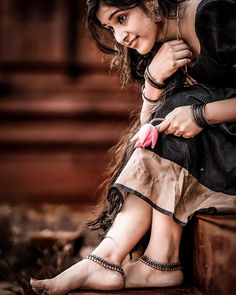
(152, 6)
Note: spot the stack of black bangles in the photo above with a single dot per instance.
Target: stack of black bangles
(148, 77)
(198, 115)
(150, 101)
(197, 110)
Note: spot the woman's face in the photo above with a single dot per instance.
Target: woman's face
(131, 27)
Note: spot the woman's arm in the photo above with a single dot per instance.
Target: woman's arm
(221, 111)
(179, 122)
(146, 112)
(169, 58)
(148, 107)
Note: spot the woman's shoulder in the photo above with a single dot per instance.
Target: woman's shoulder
(216, 12)
(210, 5)
(215, 26)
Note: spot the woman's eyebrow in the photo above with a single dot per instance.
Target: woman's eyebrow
(113, 13)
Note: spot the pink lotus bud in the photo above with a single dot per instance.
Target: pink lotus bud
(147, 135)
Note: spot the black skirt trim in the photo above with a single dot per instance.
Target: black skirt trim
(118, 186)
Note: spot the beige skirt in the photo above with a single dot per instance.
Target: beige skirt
(170, 188)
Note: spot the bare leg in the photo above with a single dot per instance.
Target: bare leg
(128, 228)
(163, 247)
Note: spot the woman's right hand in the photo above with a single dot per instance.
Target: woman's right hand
(170, 57)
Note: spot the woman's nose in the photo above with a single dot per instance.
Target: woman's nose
(121, 37)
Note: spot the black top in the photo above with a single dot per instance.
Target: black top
(215, 27)
(211, 155)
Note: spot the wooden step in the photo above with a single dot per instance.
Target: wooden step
(25, 82)
(91, 97)
(214, 254)
(59, 133)
(86, 105)
(55, 132)
(56, 175)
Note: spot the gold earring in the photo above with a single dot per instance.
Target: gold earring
(157, 16)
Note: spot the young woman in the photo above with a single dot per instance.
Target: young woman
(185, 54)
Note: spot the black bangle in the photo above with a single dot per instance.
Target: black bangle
(148, 77)
(150, 101)
(198, 115)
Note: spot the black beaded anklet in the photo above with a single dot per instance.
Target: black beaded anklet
(160, 266)
(105, 263)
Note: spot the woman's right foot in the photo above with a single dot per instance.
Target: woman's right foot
(85, 274)
(139, 275)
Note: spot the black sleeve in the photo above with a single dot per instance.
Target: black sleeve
(216, 29)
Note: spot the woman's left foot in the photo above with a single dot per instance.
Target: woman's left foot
(84, 274)
(139, 275)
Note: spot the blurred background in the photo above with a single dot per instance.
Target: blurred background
(60, 112)
(60, 109)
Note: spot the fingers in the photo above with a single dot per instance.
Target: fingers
(186, 53)
(182, 46)
(178, 134)
(177, 45)
(163, 126)
(181, 62)
(179, 123)
(179, 54)
(170, 57)
(175, 42)
(179, 49)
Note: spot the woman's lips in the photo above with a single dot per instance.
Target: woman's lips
(133, 42)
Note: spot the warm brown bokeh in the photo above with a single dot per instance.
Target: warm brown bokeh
(60, 109)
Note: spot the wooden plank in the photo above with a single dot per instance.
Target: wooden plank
(83, 103)
(57, 176)
(59, 132)
(93, 81)
(214, 254)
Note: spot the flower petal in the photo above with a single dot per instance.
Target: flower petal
(146, 136)
(144, 132)
(154, 137)
(138, 144)
(134, 137)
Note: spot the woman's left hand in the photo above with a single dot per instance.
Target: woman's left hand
(179, 122)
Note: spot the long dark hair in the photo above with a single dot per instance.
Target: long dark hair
(127, 60)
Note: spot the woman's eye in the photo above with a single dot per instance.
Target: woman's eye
(122, 18)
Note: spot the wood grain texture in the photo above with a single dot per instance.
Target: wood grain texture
(214, 254)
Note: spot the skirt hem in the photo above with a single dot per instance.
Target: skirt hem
(146, 199)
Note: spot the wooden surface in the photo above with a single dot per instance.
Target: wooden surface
(214, 254)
